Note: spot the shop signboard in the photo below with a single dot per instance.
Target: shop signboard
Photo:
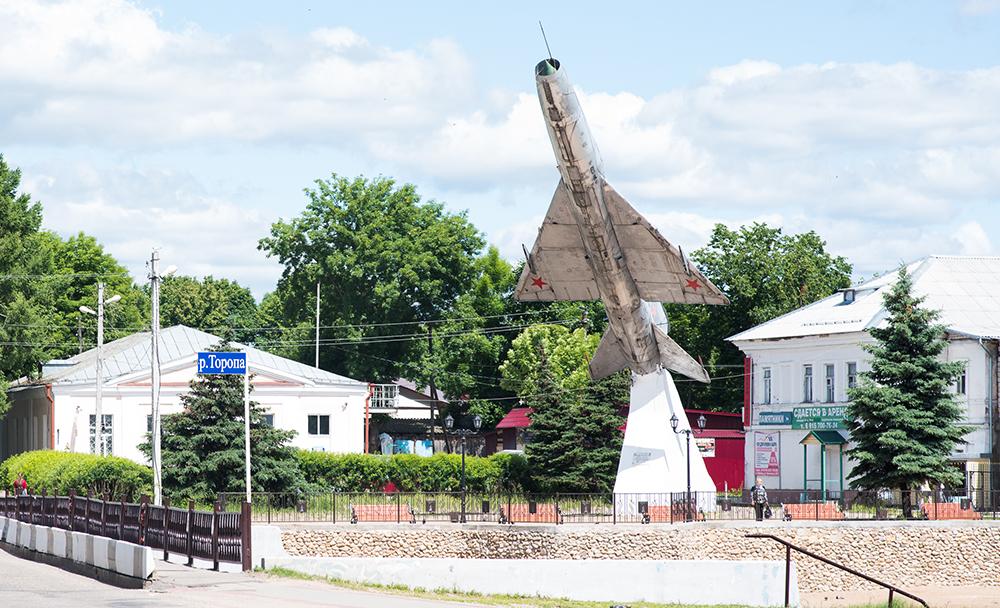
(820, 417)
(774, 418)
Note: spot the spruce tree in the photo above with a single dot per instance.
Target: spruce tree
(202, 446)
(905, 421)
(575, 441)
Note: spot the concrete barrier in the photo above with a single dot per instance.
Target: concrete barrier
(745, 583)
(114, 556)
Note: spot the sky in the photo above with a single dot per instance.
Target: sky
(192, 126)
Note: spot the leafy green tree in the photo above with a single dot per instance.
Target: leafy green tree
(567, 353)
(25, 257)
(218, 306)
(905, 421)
(766, 274)
(84, 262)
(203, 445)
(385, 256)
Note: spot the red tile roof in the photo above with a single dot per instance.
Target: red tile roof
(517, 418)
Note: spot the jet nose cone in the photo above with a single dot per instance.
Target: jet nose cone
(547, 67)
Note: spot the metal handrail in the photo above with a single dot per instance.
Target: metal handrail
(788, 569)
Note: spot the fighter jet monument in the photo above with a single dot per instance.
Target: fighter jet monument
(593, 245)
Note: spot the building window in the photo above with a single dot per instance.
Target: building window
(849, 295)
(106, 431)
(807, 383)
(319, 425)
(830, 393)
(852, 374)
(269, 420)
(960, 384)
(149, 423)
(767, 386)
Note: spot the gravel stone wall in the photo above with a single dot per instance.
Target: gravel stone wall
(905, 554)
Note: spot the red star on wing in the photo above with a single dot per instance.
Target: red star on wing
(538, 282)
(693, 284)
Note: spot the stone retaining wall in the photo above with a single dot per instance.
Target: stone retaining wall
(917, 553)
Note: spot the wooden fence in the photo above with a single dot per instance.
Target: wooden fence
(215, 535)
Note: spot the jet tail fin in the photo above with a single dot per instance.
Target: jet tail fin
(609, 358)
(675, 358)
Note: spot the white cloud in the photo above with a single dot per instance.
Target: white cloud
(105, 72)
(134, 211)
(884, 161)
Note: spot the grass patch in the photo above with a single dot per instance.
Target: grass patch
(513, 601)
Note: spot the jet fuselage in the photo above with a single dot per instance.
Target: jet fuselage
(630, 318)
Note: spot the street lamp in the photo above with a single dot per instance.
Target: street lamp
(687, 432)
(449, 427)
(98, 411)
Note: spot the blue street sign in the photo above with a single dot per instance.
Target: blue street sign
(222, 363)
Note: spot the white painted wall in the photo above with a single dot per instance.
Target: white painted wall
(787, 357)
(290, 401)
(744, 583)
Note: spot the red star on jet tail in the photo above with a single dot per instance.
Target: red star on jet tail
(538, 282)
(693, 284)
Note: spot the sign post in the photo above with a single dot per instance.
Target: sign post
(232, 363)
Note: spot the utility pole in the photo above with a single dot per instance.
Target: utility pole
(156, 434)
(317, 324)
(433, 391)
(154, 366)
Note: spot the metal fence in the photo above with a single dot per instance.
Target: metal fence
(217, 535)
(472, 507)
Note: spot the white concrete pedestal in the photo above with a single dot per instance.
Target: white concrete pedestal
(653, 459)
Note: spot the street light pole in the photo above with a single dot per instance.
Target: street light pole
(687, 432)
(98, 406)
(449, 427)
(98, 410)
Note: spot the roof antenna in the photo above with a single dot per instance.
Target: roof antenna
(545, 39)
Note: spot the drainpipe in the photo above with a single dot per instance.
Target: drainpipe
(52, 416)
(990, 367)
(368, 398)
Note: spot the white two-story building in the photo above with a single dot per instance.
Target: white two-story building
(57, 410)
(802, 364)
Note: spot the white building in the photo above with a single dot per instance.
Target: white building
(802, 364)
(56, 411)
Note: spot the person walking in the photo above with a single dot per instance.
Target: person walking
(758, 496)
(21, 485)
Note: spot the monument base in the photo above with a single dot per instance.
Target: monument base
(653, 463)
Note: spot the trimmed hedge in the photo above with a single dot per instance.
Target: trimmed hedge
(412, 473)
(59, 472)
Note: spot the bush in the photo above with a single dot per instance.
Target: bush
(60, 472)
(411, 473)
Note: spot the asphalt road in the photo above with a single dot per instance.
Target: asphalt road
(26, 583)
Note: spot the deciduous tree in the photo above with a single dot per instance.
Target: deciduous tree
(765, 273)
(384, 256)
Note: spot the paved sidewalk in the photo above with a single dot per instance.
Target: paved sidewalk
(28, 583)
(937, 597)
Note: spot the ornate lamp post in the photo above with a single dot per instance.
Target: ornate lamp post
(449, 427)
(687, 432)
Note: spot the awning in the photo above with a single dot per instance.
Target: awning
(517, 418)
(824, 438)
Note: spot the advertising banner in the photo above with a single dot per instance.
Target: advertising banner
(766, 454)
(820, 417)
